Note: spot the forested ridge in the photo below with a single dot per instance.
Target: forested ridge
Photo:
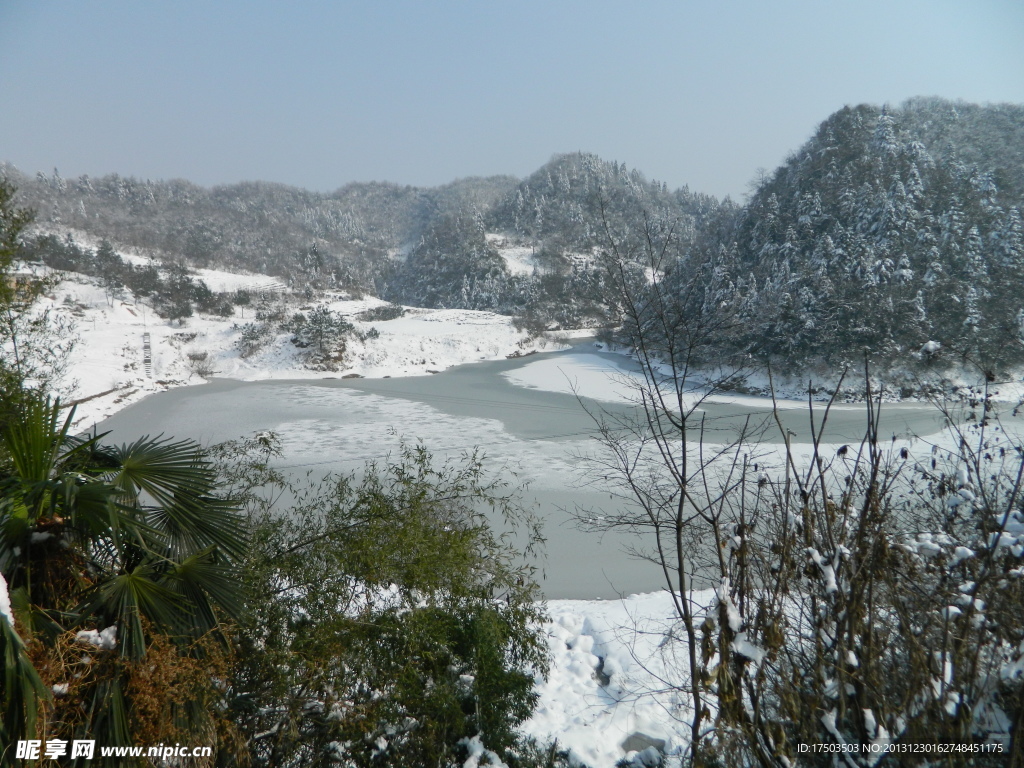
(888, 229)
(894, 230)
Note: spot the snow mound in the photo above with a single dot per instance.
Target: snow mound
(615, 688)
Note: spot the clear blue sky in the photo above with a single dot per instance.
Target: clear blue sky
(320, 93)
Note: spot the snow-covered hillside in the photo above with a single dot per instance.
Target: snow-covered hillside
(108, 366)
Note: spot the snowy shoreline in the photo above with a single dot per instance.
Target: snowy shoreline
(108, 368)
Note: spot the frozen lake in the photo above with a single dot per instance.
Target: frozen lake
(521, 413)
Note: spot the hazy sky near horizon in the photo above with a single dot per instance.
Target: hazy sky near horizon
(320, 93)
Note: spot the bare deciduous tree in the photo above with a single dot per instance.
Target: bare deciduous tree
(864, 597)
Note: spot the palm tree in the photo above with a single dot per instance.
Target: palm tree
(126, 553)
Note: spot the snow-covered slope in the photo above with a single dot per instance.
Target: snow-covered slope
(108, 364)
(519, 259)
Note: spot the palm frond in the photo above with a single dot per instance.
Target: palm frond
(181, 485)
(127, 598)
(37, 442)
(109, 715)
(202, 583)
(21, 691)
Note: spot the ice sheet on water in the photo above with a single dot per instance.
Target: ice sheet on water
(374, 426)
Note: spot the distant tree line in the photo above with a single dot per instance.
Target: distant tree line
(340, 240)
(171, 290)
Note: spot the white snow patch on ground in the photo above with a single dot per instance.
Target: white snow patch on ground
(5, 602)
(519, 259)
(422, 341)
(581, 373)
(1007, 392)
(600, 378)
(219, 281)
(616, 671)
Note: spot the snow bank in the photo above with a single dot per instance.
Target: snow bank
(600, 377)
(582, 373)
(615, 686)
(5, 602)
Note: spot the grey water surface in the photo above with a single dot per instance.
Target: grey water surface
(337, 425)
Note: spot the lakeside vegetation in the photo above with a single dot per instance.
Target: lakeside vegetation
(152, 594)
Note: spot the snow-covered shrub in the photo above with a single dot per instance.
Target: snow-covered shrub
(322, 334)
(200, 363)
(382, 313)
(871, 598)
(253, 337)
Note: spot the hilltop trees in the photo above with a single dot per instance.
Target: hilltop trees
(259, 226)
(869, 239)
(876, 237)
(555, 212)
(562, 204)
